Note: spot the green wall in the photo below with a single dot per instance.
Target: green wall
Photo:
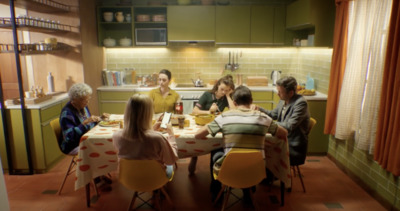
(361, 166)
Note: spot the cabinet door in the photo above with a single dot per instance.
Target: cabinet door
(279, 25)
(317, 140)
(191, 23)
(262, 25)
(233, 24)
(299, 14)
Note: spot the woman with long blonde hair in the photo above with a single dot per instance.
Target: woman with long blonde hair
(140, 140)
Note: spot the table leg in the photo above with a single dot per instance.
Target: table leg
(88, 194)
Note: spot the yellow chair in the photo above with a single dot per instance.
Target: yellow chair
(144, 176)
(55, 125)
(241, 168)
(296, 168)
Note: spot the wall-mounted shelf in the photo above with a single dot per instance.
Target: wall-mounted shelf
(35, 25)
(44, 6)
(35, 49)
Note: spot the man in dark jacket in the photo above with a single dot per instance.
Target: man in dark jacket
(292, 114)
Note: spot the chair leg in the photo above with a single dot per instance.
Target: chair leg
(135, 195)
(71, 166)
(226, 198)
(301, 178)
(219, 194)
(166, 195)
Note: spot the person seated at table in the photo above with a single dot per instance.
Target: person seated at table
(140, 140)
(292, 114)
(235, 125)
(217, 99)
(164, 98)
(76, 120)
(213, 101)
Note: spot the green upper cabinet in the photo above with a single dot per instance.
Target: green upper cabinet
(233, 24)
(109, 26)
(307, 17)
(268, 25)
(262, 25)
(299, 14)
(191, 23)
(279, 25)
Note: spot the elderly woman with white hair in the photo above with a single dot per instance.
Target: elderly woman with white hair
(75, 118)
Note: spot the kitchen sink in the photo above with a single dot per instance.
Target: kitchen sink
(185, 86)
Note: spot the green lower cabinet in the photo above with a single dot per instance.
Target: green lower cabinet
(112, 107)
(265, 105)
(43, 143)
(3, 150)
(114, 102)
(317, 140)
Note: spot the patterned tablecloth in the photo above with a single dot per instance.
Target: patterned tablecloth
(97, 154)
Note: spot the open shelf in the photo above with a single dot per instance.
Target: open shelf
(44, 6)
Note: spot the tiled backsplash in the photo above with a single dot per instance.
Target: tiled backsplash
(185, 62)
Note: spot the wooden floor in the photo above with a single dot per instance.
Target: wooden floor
(328, 188)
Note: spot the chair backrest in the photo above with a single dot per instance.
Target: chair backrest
(55, 125)
(142, 175)
(242, 169)
(311, 124)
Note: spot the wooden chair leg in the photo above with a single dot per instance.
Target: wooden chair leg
(166, 195)
(135, 195)
(226, 198)
(71, 166)
(219, 194)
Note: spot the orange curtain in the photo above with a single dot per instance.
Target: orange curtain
(337, 65)
(387, 142)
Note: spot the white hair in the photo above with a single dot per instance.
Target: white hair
(79, 90)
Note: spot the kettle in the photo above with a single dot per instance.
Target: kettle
(275, 76)
(198, 82)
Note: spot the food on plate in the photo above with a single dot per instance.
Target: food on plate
(110, 123)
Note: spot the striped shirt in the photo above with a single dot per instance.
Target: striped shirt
(243, 128)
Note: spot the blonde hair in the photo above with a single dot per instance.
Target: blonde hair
(138, 116)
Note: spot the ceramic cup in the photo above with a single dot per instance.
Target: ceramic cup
(128, 18)
(108, 16)
(119, 16)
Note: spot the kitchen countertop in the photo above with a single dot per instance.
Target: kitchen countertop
(45, 104)
(318, 96)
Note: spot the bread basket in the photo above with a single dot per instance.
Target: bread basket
(203, 119)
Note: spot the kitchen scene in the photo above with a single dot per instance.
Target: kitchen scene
(119, 47)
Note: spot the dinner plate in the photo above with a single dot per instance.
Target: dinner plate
(111, 123)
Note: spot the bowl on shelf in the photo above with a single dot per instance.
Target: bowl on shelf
(109, 42)
(207, 2)
(184, 2)
(158, 18)
(125, 42)
(108, 16)
(142, 18)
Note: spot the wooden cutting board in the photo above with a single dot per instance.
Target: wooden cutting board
(29, 101)
(257, 81)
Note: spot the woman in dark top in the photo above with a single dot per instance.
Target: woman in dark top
(218, 98)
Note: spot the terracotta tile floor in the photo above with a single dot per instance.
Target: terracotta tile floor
(327, 187)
